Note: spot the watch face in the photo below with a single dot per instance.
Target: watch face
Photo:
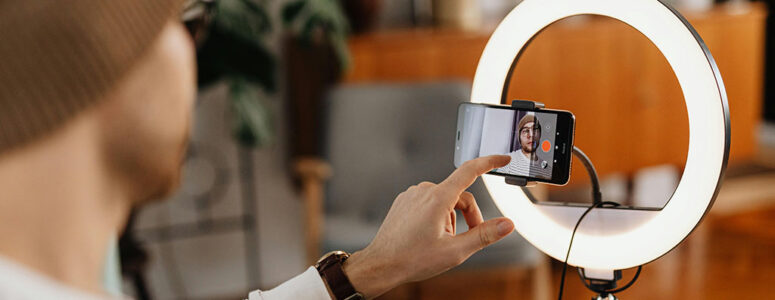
(329, 257)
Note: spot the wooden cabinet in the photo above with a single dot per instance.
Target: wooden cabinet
(628, 104)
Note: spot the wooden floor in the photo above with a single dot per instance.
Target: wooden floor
(729, 256)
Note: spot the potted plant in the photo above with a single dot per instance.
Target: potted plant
(233, 48)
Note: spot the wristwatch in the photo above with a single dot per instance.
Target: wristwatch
(330, 268)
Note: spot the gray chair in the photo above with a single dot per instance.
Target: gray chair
(380, 139)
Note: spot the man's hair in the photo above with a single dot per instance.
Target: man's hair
(58, 58)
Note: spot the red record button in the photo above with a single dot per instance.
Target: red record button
(546, 146)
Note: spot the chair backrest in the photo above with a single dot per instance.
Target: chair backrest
(380, 139)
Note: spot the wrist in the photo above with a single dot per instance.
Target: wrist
(370, 275)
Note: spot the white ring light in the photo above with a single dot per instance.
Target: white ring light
(615, 238)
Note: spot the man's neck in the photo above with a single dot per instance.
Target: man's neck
(527, 155)
(58, 209)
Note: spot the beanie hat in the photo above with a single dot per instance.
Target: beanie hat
(527, 119)
(59, 57)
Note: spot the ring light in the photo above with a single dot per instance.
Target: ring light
(613, 239)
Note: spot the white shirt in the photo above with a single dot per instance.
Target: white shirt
(307, 286)
(519, 164)
(20, 283)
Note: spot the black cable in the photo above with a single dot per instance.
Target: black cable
(596, 202)
(597, 198)
(565, 264)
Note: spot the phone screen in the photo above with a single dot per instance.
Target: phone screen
(539, 142)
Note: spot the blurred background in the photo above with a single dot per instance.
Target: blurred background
(314, 114)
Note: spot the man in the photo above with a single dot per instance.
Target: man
(95, 103)
(524, 161)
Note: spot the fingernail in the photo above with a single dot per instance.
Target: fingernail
(504, 227)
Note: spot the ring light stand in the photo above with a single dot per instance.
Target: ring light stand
(616, 239)
(603, 282)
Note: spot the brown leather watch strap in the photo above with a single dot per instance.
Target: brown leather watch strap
(330, 268)
(338, 282)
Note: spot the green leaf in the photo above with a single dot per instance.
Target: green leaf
(321, 16)
(243, 18)
(252, 118)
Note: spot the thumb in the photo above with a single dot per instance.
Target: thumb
(484, 234)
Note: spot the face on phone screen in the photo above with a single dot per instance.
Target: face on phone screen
(535, 140)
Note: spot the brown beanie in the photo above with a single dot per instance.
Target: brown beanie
(526, 119)
(59, 57)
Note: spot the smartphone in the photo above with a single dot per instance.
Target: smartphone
(540, 142)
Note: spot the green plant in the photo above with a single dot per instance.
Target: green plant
(235, 49)
(316, 21)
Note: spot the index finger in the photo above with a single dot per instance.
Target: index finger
(464, 176)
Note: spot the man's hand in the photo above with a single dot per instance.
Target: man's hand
(417, 240)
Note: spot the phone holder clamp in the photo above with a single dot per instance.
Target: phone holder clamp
(526, 105)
